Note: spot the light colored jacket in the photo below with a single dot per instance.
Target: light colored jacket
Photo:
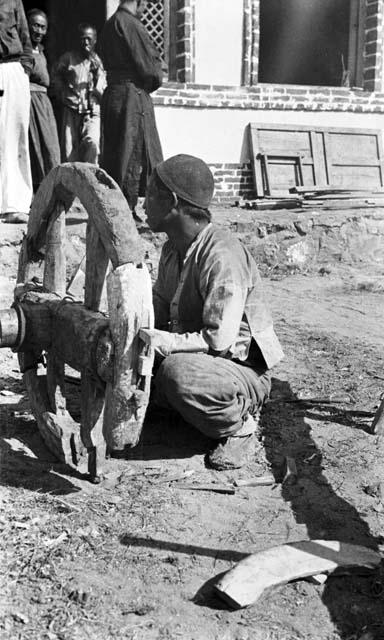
(215, 297)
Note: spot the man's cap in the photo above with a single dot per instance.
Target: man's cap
(188, 177)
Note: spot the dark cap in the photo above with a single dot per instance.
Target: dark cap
(188, 177)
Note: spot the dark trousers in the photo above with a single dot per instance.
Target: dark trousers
(213, 394)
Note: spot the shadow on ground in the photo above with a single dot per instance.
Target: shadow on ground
(351, 603)
(25, 461)
(354, 602)
(166, 435)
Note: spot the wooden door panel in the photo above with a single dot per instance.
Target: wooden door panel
(328, 156)
(361, 149)
(356, 177)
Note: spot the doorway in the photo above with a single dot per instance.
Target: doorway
(64, 16)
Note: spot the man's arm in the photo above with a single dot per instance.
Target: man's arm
(59, 84)
(23, 31)
(99, 77)
(224, 287)
(163, 341)
(144, 54)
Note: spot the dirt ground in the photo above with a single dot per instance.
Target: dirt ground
(135, 557)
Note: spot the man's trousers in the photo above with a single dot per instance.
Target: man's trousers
(15, 169)
(213, 394)
(79, 137)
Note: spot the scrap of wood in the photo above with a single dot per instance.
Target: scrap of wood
(68, 505)
(174, 477)
(275, 203)
(263, 481)
(246, 582)
(291, 471)
(216, 488)
(331, 190)
(317, 189)
(314, 400)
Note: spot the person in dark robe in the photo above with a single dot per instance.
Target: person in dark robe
(44, 146)
(130, 141)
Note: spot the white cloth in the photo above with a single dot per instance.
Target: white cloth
(15, 169)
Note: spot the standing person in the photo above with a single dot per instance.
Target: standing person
(130, 141)
(213, 329)
(15, 65)
(79, 83)
(43, 139)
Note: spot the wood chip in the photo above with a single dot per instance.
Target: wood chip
(174, 477)
(114, 500)
(56, 541)
(262, 481)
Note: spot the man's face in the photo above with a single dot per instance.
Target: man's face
(38, 28)
(158, 203)
(87, 41)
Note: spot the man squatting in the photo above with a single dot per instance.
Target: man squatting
(213, 330)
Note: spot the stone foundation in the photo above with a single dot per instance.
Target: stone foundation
(302, 241)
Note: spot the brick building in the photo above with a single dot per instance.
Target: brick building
(294, 63)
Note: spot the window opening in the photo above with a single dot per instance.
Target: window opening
(155, 21)
(311, 42)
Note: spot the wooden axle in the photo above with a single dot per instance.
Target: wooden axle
(42, 321)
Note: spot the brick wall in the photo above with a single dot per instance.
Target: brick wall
(185, 40)
(251, 42)
(270, 97)
(233, 181)
(373, 46)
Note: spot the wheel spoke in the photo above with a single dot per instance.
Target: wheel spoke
(55, 261)
(93, 394)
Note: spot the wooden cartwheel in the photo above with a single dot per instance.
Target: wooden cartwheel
(45, 325)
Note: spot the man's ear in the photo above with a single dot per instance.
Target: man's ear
(175, 200)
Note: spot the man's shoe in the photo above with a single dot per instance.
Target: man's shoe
(233, 452)
(15, 217)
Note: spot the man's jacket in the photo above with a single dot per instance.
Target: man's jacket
(15, 43)
(213, 300)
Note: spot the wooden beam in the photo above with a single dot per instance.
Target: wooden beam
(55, 260)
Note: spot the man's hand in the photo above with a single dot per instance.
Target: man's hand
(161, 341)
